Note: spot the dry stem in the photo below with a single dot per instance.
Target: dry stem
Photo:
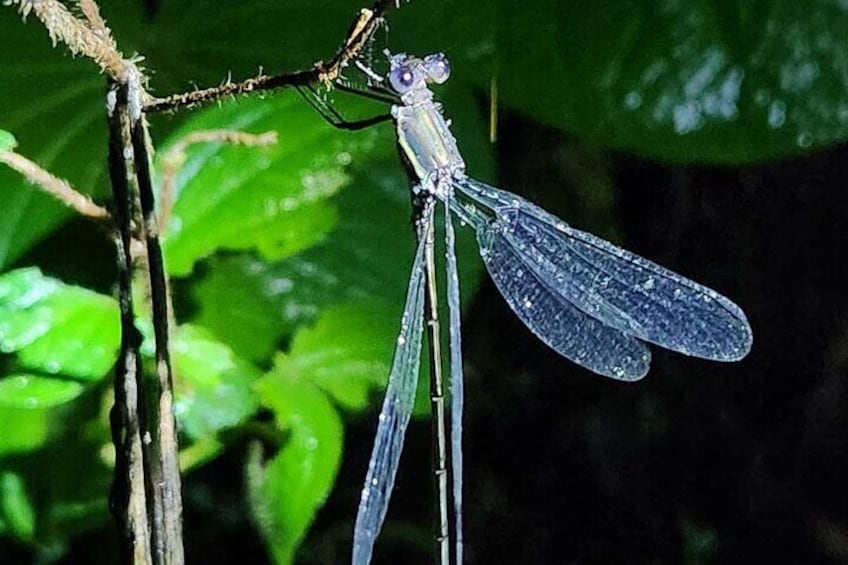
(54, 186)
(358, 37)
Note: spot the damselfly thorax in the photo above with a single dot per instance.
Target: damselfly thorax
(428, 146)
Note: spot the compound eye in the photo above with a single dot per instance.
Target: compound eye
(437, 68)
(402, 79)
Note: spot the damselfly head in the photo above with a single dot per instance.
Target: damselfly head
(409, 73)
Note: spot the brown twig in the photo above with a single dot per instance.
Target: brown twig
(91, 12)
(128, 498)
(140, 260)
(162, 451)
(324, 73)
(54, 186)
(79, 36)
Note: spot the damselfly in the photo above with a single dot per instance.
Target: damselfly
(592, 302)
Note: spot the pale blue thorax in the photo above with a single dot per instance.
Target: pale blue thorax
(423, 132)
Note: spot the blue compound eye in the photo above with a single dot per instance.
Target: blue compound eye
(402, 79)
(437, 68)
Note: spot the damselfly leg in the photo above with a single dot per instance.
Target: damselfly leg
(332, 116)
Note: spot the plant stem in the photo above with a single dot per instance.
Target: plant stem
(358, 37)
(128, 499)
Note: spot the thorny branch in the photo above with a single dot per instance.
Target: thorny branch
(89, 37)
(324, 73)
(97, 24)
(54, 186)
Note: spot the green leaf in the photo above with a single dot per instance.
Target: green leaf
(281, 296)
(70, 478)
(273, 199)
(252, 305)
(7, 141)
(213, 386)
(32, 429)
(684, 81)
(57, 328)
(33, 391)
(346, 353)
(288, 492)
(65, 479)
(16, 510)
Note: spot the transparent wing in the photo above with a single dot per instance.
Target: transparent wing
(623, 290)
(394, 418)
(564, 328)
(457, 379)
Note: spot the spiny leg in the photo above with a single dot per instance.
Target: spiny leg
(332, 116)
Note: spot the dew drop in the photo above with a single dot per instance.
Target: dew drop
(633, 100)
(279, 286)
(777, 114)
(175, 225)
(271, 208)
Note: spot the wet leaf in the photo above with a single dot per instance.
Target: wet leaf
(34, 391)
(683, 81)
(7, 141)
(57, 328)
(295, 483)
(213, 386)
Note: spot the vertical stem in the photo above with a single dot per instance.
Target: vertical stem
(166, 489)
(128, 497)
(437, 398)
(146, 495)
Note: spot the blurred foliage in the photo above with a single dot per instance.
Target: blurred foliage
(290, 262)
